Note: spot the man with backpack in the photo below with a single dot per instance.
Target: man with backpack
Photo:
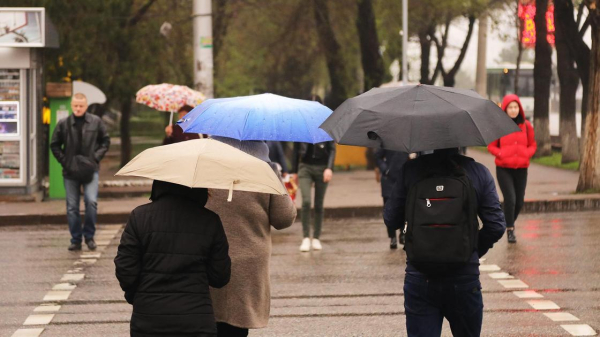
(436, 202)
(79, 142)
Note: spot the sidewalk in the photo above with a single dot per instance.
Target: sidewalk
(350, 194)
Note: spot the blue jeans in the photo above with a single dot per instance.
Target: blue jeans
(90, 199)
(428, 301)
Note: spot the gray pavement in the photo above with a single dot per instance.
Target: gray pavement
(347, 192)
(351, 288)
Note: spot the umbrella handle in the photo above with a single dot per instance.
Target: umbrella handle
(230, 196)
(171, 119)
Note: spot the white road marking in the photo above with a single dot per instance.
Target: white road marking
(579, 329)
(28, 332)
(543, 305)
(54, 295)
(482, 259)
(64, 286)
(560, 316)
(86, 262)
(47, 308)
(501, 275)
(72, 277)
(103, 242)
(489, 267)
(527, 294)
(90, 255)
(513, 284)
(39, 319)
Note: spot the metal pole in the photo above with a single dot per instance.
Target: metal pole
(203, 52)
(481, 72)
(404, 42)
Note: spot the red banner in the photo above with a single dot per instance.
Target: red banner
(527, 15)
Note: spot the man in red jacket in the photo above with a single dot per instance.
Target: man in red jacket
(512, 154)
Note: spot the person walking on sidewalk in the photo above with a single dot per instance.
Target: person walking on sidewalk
(313, 163)
(245, 302)
(390, 164)
(426, 203)
(513, 153)
(174, 133)
(171, 251)
(79, 143)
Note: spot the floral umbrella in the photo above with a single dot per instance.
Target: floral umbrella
(168, 97)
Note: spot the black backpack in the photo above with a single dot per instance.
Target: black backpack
(441, 224)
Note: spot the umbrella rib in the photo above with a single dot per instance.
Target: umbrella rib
(473, 121)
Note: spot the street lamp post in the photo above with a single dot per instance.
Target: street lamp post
(404, 42)
(203, 47)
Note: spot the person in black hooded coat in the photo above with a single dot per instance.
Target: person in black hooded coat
(171, 251)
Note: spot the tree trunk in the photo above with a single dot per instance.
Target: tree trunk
(372, 62)
(450, 77)
(425, 55)
(336, 66)
(569, 81)
(542, 75)
(125, 132)
(579, 50)
(589, 170)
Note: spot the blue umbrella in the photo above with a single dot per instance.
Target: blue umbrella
(259, 117)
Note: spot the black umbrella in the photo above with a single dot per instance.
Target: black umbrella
(418, 118)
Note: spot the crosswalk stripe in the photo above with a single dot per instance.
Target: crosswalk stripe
(47, 308)
(579, 329)
(512, 284)
(560, 316)
(39, 319)
(527, 294)
(501, 275)
(53, 295)
(489, 267)
(543, 305)
(28, 332)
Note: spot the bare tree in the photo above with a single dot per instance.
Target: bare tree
(542, 75)
(589, 170)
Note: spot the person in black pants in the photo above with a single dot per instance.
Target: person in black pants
(390, 164)
(513, 153)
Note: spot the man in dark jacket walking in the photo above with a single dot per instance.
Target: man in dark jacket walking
(390, 165)
(79, 143)
(455, 294)
(171, 251)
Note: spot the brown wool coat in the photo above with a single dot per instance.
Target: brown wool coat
(246, 301)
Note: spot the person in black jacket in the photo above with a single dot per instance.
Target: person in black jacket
(79, 143)
(390, 165)
(313, 163)
(456, 294)
(171, 251)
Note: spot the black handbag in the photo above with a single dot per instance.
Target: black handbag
(82, 169)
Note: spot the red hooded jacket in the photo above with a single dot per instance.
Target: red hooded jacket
(514, 150)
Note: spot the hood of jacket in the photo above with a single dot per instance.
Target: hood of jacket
(513, 98)
(162, 188)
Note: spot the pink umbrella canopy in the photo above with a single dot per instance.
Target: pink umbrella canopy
(168, 97)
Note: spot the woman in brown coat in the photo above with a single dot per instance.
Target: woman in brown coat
(245, 302)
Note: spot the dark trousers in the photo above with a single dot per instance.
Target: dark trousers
(226, 330)
(512, 184)
(307, 175)
(90, 199)
(428, 301)
(390, 231)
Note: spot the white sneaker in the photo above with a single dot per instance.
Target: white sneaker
(305, 246)
(316, 244)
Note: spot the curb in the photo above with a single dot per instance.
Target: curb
(531, 206)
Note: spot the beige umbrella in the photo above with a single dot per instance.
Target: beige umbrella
(205, 163)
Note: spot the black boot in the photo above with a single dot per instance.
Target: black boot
(402, 238)
(91, 244)
(75, 246)
(510, 235)
(393, 243)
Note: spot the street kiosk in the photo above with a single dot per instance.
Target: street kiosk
(23, 34)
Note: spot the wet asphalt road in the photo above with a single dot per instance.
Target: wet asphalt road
(351, 288)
